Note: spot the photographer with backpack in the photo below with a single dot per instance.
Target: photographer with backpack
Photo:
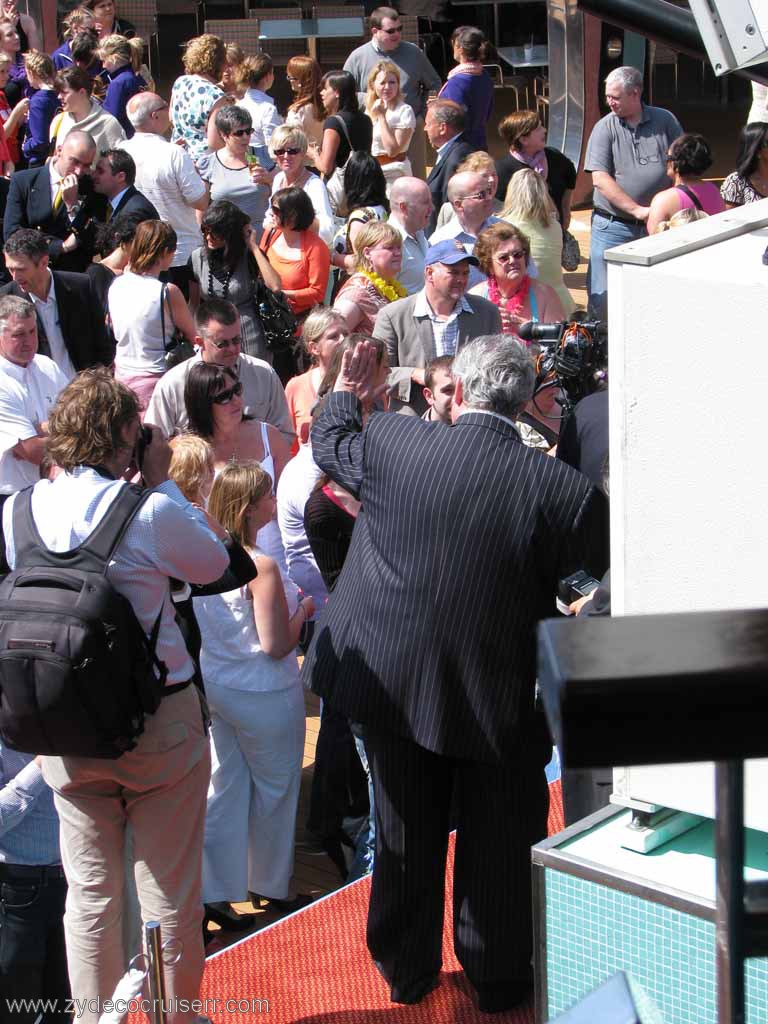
(99, 622)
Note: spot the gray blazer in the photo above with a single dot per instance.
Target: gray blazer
(411, 344)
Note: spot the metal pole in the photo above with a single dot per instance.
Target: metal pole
(155, 975)
(729, 910)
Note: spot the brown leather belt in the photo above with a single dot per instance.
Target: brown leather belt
(383, 159)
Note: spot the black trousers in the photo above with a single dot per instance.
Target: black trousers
(499, 813)
(33, 960)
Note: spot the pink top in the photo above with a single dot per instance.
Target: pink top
(358, 289)
(301, 396)
(708, 195)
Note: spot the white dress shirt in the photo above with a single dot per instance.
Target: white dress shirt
(264, 115)
(48, 311)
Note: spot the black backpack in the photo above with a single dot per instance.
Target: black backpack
(77, 671)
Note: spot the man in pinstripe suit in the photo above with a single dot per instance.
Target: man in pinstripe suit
(429, 641)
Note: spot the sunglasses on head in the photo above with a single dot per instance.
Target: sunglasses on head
(240, 132)
(292, 151)
(226, 396)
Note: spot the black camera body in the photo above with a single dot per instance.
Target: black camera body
(573, 357)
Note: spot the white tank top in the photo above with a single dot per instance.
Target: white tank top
(134, 308)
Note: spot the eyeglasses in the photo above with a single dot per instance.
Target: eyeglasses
(227, 343)
(391, 31)
(478, 195)
(647, 157)
(240, 132)
(287, 152)
(514, 254)
(226, 396)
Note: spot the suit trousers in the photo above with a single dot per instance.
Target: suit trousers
(158, 788)
(499, 812)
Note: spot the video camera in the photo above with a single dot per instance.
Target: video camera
(573, 357)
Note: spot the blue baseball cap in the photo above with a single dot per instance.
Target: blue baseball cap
(449, 251)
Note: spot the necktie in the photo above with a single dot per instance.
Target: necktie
(110, 211)
(58, 199)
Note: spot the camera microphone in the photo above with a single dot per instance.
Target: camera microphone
(532, 331)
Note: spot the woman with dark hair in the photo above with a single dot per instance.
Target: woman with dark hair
(470, 84)
(365, 188)
(749, 182)
(106, 20)
(80, 110)
(298, 255)
(525, 137)
(213, 399)
(228, 265)
(306, 111)
(144, 311)
(688, 157)
(77, 21)
(228, 173)
(346, 129)
(113, 244)
(196, 96)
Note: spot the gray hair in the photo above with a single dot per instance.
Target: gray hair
(496, 373)
(14, 305)
(230, 119)
(450, 113)
(629, 78)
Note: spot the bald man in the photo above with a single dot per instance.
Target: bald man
(471, 197)
(58, 199)
(166, 176)
(411, 208)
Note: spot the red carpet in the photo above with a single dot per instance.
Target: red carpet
(314, 968)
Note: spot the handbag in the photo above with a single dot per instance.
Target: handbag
(571, 257)
(178, 349)
(278, 321)
(335, 183)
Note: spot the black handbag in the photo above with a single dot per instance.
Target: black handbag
(278, 321)
(178, 349)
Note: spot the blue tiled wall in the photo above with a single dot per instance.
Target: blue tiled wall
(593, 931)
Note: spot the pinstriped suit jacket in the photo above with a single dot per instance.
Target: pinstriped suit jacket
(457, 549)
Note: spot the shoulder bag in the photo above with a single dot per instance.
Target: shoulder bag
(335, 183)
(278, 320)
(178, 349)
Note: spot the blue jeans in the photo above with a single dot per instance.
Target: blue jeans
(33, 962)
(365, 840)
(605, 235)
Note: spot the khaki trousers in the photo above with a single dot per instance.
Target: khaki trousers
(159, 788)
(417, 151)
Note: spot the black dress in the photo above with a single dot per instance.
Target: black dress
(561, 176)
(359, 128)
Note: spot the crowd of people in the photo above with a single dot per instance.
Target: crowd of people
(247, 301)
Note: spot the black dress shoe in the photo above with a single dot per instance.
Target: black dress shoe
(284, 906)
(498, 998)
(225, 917)
(410, 992)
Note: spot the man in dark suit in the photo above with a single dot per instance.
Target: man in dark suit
(58, 199)
(429, 640)
(70, 320)
(444, 125)
(113, 177)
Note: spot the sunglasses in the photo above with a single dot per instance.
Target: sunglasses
(226, 396)
(391, 31)
(287, 152)
(478, 195)
(227, 343)
(240, 132)
(515, 254)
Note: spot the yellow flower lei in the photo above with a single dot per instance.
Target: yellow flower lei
(389, 289)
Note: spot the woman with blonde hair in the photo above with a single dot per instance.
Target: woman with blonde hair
(378, 249)
(306, 111)
(78, 20)
(143, 311)
(288, 147)
(235, 57)
(530, 208)
(122, 59)
(248, 661)
(321, 334)
(393, 120)
(196, 96)
(192, 467)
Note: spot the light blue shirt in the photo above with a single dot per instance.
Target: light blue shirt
(29, 825)
(444, 332)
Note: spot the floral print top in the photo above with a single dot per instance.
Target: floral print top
(192, 98)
